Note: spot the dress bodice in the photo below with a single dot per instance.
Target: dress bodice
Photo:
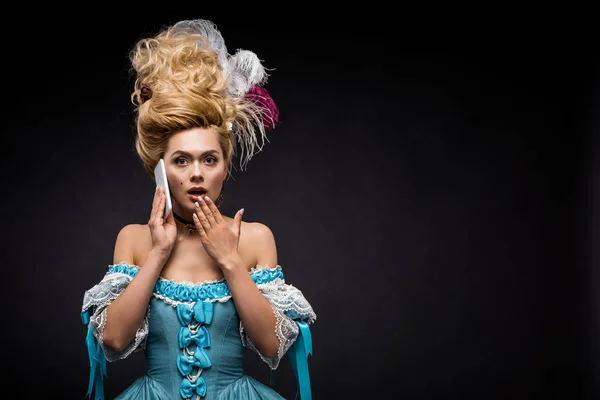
(193, 338)
(171, 346)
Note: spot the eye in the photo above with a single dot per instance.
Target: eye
(177, 161)
(211, 160)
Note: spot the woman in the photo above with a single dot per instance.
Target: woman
(193, 289)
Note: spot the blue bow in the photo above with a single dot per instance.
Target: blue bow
(186, 337)
(299, 352)
(97, 360)
(187, 388)
(201, 311)
(199, 359)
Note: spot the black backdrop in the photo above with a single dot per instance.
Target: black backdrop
(430, 188)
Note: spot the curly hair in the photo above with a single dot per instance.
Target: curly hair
(187, 89)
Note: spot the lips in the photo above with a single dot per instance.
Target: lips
(194, 197)
(197, 191)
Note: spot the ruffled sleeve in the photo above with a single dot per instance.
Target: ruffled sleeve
(291, 309)
(93, 314)
(95, 303)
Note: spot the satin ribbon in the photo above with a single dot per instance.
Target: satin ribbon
(201, 311)
(97, 360)
(199, 359)
(187, 388)
(186, 337)
(298, 353)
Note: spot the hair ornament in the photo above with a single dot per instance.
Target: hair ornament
(244, 76)
(145, 93)
(260, 95)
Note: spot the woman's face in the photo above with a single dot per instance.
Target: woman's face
(195, 167)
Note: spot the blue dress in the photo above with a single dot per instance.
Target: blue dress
(193, 338)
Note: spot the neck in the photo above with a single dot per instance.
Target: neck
(184, 225)
(179, 218)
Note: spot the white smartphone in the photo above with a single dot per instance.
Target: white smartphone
(160, 176)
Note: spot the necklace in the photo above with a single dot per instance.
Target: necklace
(191, 227)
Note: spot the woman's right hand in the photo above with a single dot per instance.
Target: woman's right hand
(164, 232)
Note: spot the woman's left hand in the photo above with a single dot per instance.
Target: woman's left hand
(219, 238)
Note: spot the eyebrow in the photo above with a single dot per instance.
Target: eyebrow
(185, 153)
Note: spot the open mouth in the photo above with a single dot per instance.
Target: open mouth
(196, 192)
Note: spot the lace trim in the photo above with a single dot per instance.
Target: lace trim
(175, 293)
(99, 298)
(288, 304)
(175, 303)
(288, 299)
(259, 267)
(106, 290)
(286, 331)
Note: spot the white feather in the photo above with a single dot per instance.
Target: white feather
(209, 30)
(244, 71)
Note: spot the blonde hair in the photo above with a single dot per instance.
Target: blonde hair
(188, 90)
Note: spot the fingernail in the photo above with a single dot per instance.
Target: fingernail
(206, 198)
(197, 205)
(242, 211)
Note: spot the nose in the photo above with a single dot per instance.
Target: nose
(197, 172)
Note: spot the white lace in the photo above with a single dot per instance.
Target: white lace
(175, 303)
(100, 296)
(286, 302)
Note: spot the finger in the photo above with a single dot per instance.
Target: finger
(237, 221)
(206, 211)
(161, 206)
(202, 219)
(154, 205)
(170, 218)
(214, 210)
(199, 224)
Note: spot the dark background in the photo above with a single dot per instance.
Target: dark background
(430, 187)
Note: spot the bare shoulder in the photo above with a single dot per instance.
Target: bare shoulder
(128, 242)
(252, 233)
(256, 229)
(259, 240)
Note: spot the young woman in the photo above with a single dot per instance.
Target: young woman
(195, 288)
